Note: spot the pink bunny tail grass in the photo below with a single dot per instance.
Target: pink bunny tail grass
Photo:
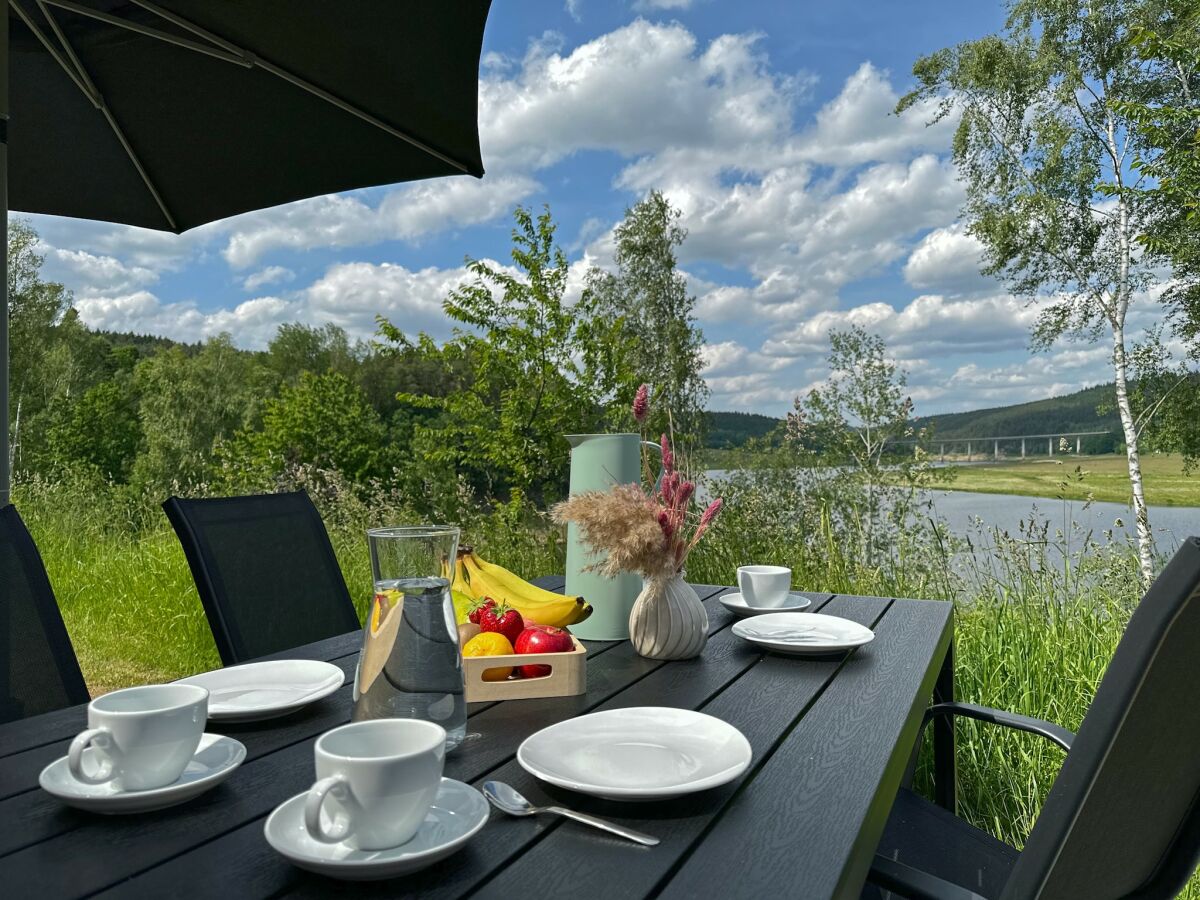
(685, 493)
(641, 404)
(711, 512)
(665, 523)
(668, 457)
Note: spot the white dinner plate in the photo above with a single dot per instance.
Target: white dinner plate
(804, 634)
(737, 605)
(458, 812)
(266, 690)
(214, 760)
(642, 753)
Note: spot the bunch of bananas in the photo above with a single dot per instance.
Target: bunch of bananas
(475, 579)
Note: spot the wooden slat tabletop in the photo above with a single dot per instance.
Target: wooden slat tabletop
(831, 738)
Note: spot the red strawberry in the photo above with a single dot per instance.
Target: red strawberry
(477, 608)
(503, 619)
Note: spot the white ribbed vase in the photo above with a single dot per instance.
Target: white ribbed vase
(668, 620)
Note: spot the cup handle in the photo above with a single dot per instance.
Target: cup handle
(102, 738)
(342, 825)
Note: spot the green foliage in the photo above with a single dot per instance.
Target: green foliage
(322, 420)
(101, 428)
(298, 348)
(191, 402)
(1167, 126)
(500, 428)
(643, 328)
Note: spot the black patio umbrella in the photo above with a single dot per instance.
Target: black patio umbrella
(173, 113)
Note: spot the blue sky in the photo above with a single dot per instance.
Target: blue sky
(768, 124)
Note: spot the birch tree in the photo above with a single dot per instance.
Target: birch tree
(1045, 154)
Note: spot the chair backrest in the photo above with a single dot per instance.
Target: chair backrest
(1123, 816)
(38, 668)
(265, 570)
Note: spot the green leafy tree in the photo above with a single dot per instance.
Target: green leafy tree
(298, 348)
(189, 402)
(322, 420)
(643, 327)
(1044, 150)
(1166, 125)
(35, 307)
(853, 423)
(520, 340)
(100, 429)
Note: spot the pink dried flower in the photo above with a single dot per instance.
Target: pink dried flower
(705, 521)
(711, 512)
(664, 522)
(668, 458)
(641, 404)
(685, 493)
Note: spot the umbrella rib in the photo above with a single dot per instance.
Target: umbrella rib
(148, 31)
(89, 88)
(279, 72)
(76, 76)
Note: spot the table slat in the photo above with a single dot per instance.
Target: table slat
(817, 807)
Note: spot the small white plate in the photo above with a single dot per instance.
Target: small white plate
(266, 690)
(804, 634)
(214, 761)
(458, 812)
(641, 753)
(737, 605)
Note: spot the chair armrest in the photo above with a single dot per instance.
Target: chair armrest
(1049, 730)
(915, 884)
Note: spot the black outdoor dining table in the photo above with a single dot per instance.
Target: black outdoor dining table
(831, 741)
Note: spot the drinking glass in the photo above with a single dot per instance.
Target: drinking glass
(410, 666)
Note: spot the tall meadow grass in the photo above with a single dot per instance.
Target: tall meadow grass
(1038, 614)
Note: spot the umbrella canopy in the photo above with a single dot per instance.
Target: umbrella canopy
(173, 113)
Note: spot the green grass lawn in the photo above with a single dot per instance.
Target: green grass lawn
(1104, 478)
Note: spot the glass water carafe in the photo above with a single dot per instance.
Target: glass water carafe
(410, 666)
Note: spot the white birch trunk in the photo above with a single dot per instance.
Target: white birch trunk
(1145, 540)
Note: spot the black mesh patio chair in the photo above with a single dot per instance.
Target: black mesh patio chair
(1123, 817)
(265, 571)
(38, 669)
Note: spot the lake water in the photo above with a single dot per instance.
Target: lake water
(961, 510)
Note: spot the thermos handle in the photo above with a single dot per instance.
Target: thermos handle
(661, 468)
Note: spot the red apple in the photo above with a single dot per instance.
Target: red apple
(542, 639)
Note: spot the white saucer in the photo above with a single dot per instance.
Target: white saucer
(458, 812)
(804, 634)
(736, 604)
(266, 690)
(642, 753)
(214, 761)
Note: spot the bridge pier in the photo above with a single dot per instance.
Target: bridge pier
(1078, 444)
(1050, 447)
(995, 450)
(942, 453)
(1022, 448)
(968, 451)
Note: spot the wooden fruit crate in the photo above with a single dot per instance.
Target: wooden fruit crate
(568, 675)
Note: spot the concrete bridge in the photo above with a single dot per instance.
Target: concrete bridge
(995, 440)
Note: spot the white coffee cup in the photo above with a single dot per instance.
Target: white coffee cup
(141, 737)
(376, 781)
(764, 586)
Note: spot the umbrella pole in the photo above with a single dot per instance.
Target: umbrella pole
(5, 451)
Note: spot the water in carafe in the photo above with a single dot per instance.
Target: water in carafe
(410, 665)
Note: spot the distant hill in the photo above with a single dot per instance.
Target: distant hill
(1073, 412)
(733, 429)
